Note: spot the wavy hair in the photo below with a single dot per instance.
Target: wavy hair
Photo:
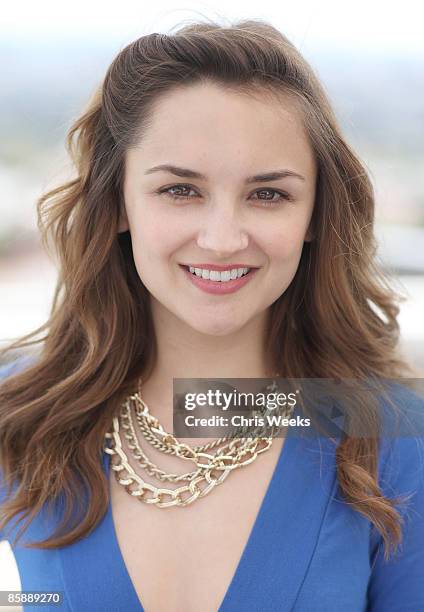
(338, 317)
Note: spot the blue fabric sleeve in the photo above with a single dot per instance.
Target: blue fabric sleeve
(7, 370)
(398, 584)
(1, 500)
(2, 495)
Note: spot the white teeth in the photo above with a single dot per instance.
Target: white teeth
(215, 275)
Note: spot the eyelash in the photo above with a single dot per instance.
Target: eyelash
(269, 203)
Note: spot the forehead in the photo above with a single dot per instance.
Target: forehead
(217, 124)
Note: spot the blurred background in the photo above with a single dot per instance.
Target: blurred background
(369, 57)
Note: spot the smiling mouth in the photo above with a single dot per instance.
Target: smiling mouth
(224, 276)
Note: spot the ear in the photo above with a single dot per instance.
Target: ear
(123, 225)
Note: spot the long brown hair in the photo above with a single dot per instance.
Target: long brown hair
(336, 319)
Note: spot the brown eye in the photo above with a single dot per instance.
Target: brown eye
(271, 201)
(177, 196)
(267, 202)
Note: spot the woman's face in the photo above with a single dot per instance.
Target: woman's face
(224, 217)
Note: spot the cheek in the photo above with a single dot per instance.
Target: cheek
(284, 247)
(154, 239)
(284, 252)
(284, 238)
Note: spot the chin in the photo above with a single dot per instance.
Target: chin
(216, 328)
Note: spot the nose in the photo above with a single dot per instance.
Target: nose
(222, 232)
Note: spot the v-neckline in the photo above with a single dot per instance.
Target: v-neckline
(281, 542)
(252, 535)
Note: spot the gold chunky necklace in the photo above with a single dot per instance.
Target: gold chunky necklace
(236, 452)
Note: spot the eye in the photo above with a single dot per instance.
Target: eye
(166, 191)
(271, 202)
(267, 203)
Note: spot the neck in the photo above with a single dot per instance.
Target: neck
(183, 352)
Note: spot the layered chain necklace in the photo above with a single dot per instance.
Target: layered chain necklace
(211, 469)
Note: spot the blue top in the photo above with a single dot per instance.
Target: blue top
(308, 551)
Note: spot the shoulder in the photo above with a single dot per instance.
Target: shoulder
(9, 369)
(397, 583)
(16, 365)
(401, 462)
(401, 455)
(402, 430)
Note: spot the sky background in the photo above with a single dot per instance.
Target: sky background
(377, 26)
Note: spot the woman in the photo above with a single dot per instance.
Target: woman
(211, 149)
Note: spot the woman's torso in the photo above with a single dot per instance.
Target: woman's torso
(184, 558)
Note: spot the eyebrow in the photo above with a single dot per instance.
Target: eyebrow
(257, 178)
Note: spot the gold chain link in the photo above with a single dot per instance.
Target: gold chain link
(236, 453)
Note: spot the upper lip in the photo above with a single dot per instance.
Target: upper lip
(220, 268)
